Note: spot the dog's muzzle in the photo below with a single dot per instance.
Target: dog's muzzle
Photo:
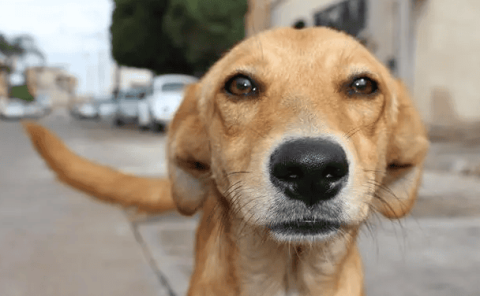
(313, 171)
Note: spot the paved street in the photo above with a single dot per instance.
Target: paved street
(57, 241)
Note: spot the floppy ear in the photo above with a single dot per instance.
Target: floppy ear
(188, 153)
(407, 148)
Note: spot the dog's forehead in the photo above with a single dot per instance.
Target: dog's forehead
(313, 48)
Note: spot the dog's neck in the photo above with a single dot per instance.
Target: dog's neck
(274, 268)
(236, 259)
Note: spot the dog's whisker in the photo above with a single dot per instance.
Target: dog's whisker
(239, 172)
(351, 133)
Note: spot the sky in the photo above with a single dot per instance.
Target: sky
(73, 34)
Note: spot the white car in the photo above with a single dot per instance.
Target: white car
(84, 110)
(159, 106)
(13, 110)
(107, 109)
(87, 110)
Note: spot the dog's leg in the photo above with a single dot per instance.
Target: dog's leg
(148, 194)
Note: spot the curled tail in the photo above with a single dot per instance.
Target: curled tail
(147, 194)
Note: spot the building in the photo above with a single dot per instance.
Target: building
(3, 84)
(447, 64)
(430, 44)
(129, 77)
(59, 85)
(3, 77)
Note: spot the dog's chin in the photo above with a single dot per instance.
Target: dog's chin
(304, 230)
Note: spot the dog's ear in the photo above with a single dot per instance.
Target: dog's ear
(188, 155)
(407, 148)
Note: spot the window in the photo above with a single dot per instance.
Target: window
(349, 16)
(176, 86)
(299, 24)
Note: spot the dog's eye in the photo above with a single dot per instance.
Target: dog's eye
(363, 86)
(240, 85)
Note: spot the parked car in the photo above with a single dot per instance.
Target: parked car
(73, 109)
(34, 109)
(127, 105)
(13, 110)
(106, 106)
(45, 102)
(159, 106)
(86, 110)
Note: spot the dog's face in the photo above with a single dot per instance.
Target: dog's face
(304, 132)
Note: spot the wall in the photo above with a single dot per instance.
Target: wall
(448, 61)
(257, 18)
(287, 12)
(55, 82)
(3, 85)
(130, 77)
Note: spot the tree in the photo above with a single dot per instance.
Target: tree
(10, 50)
(175, 36)
(17, 48)
(139, 39)
(205, 29)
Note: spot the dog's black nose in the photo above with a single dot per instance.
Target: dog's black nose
(310, 170)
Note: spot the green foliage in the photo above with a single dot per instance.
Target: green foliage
(139, 40)
(21, 92)
(205, 29)
(174, 36)
(9, 50)
(19, 46)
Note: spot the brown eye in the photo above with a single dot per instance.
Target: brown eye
(241, 85)
(363, 86)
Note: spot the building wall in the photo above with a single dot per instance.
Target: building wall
(257, 18)
(287, 12)
(55, 82)
(448, 61)
(130, 77)
(3, 85)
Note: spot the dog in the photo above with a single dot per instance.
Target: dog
(287, 145)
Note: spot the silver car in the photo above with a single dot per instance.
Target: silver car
(127, 105)
(107, 109)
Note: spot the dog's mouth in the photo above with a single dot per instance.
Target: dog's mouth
(306, 227)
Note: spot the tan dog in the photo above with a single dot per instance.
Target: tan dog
(287, 144)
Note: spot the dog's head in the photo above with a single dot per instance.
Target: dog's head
(303, 132)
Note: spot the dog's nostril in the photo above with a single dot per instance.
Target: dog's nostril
(335, 172)
(287, 172)
(309, 169)
(293, 177)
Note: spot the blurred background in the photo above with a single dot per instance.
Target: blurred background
(103, 73)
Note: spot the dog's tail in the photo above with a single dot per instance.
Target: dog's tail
(147, 194)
